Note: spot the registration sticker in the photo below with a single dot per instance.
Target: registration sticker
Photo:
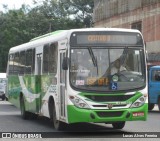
(79, 82)
(138, 114)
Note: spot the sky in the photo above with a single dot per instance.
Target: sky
(14, 4)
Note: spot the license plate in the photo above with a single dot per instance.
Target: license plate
(138, 114)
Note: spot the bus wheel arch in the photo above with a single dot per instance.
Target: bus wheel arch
(58, 125)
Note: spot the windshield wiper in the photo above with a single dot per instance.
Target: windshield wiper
(94, 59)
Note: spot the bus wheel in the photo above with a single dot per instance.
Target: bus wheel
(150, 106)
(58, 125)
(118, 125)
(24, 113)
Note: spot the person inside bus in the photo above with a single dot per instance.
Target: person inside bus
(117, 67)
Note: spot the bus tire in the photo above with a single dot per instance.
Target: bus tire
(150, 106)
(24, 113)
(58, 125)
(118, 125)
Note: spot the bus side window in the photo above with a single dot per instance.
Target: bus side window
(28, 61)
(11, 58)
(22, 63)
(157, 77)
(33, 61)
(53, 55)
(46, 58)
(16, 63)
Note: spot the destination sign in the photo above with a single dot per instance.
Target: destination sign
(105, 39)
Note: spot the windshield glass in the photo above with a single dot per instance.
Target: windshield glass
(103, 69)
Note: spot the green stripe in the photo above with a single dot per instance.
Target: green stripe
(46, 35)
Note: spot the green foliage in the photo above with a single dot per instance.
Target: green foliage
(20, 26)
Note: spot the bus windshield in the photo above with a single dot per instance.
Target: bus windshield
(107, 69)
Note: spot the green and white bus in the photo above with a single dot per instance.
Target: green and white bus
(66, 76)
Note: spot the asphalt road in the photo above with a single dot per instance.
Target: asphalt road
(11, 121)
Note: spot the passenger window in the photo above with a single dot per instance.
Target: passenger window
(46, 58)
(156, 75)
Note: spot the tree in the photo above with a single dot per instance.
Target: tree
(20, 26)
(80, 9)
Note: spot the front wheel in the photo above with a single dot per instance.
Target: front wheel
(118, 125)
(58, 125)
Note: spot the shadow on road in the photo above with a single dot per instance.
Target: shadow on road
(87, 130)
(155, 112)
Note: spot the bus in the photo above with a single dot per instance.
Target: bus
(66, 76)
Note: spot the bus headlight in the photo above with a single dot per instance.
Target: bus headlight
(79, 102)
(139, 102)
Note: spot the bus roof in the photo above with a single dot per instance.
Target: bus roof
(59, 35)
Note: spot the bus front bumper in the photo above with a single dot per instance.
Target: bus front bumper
(76, 115)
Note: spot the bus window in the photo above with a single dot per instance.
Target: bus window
(46, 58)
(11, 57)
(16, 63)
(28, 61)
(33, 61)
(155, 75)
(22, 62)
(53, 55)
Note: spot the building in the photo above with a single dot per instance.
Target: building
(143, 15)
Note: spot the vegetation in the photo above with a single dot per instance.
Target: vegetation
(20, 26)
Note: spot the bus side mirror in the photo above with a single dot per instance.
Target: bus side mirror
(65, 63)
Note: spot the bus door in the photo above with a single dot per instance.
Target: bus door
(62, 81)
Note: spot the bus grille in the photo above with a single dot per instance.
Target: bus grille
(109, 98)
(109, 114)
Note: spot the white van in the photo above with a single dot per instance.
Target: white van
(3, 83)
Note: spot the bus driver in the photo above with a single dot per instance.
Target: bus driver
(117, 67)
